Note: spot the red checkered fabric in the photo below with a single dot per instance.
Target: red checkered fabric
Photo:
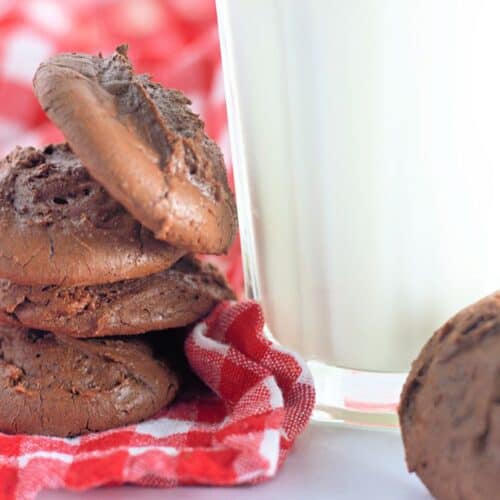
(260, 396)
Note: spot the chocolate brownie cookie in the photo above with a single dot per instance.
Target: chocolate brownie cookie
(450, 406)
(144, 145)
(60, 386)
(171, 298)
(58, 226)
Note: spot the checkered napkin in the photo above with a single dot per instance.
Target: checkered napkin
(241, 431)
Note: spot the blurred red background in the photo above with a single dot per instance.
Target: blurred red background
(173, 40)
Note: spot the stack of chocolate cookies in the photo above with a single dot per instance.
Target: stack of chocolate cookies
(96, 249)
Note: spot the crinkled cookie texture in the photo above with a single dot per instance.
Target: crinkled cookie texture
(61, 386)
(450, 406)
(144, 145)
(58, 226)
(172, 298)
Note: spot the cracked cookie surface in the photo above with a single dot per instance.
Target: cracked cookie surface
(172, 298)
(144, 145)
(61, 386)
(58, 226)
(450, 406)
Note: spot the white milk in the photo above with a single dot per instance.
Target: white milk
(366, 141)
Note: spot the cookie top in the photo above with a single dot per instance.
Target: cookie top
(172, 298)
(144, 145)
(60, 386)
(59, 226)
(450, 406)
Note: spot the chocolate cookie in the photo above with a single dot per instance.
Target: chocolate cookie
(144, 145)
(171, 298)
(450, 406)
(60, 386)
(58, 226)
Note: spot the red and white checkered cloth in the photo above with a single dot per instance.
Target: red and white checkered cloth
(241, 432)
(262, 396)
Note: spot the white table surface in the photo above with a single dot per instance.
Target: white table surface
(328, 462)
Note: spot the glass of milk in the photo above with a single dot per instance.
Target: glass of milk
(366, 143)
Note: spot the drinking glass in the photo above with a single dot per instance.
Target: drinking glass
(365, 142)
